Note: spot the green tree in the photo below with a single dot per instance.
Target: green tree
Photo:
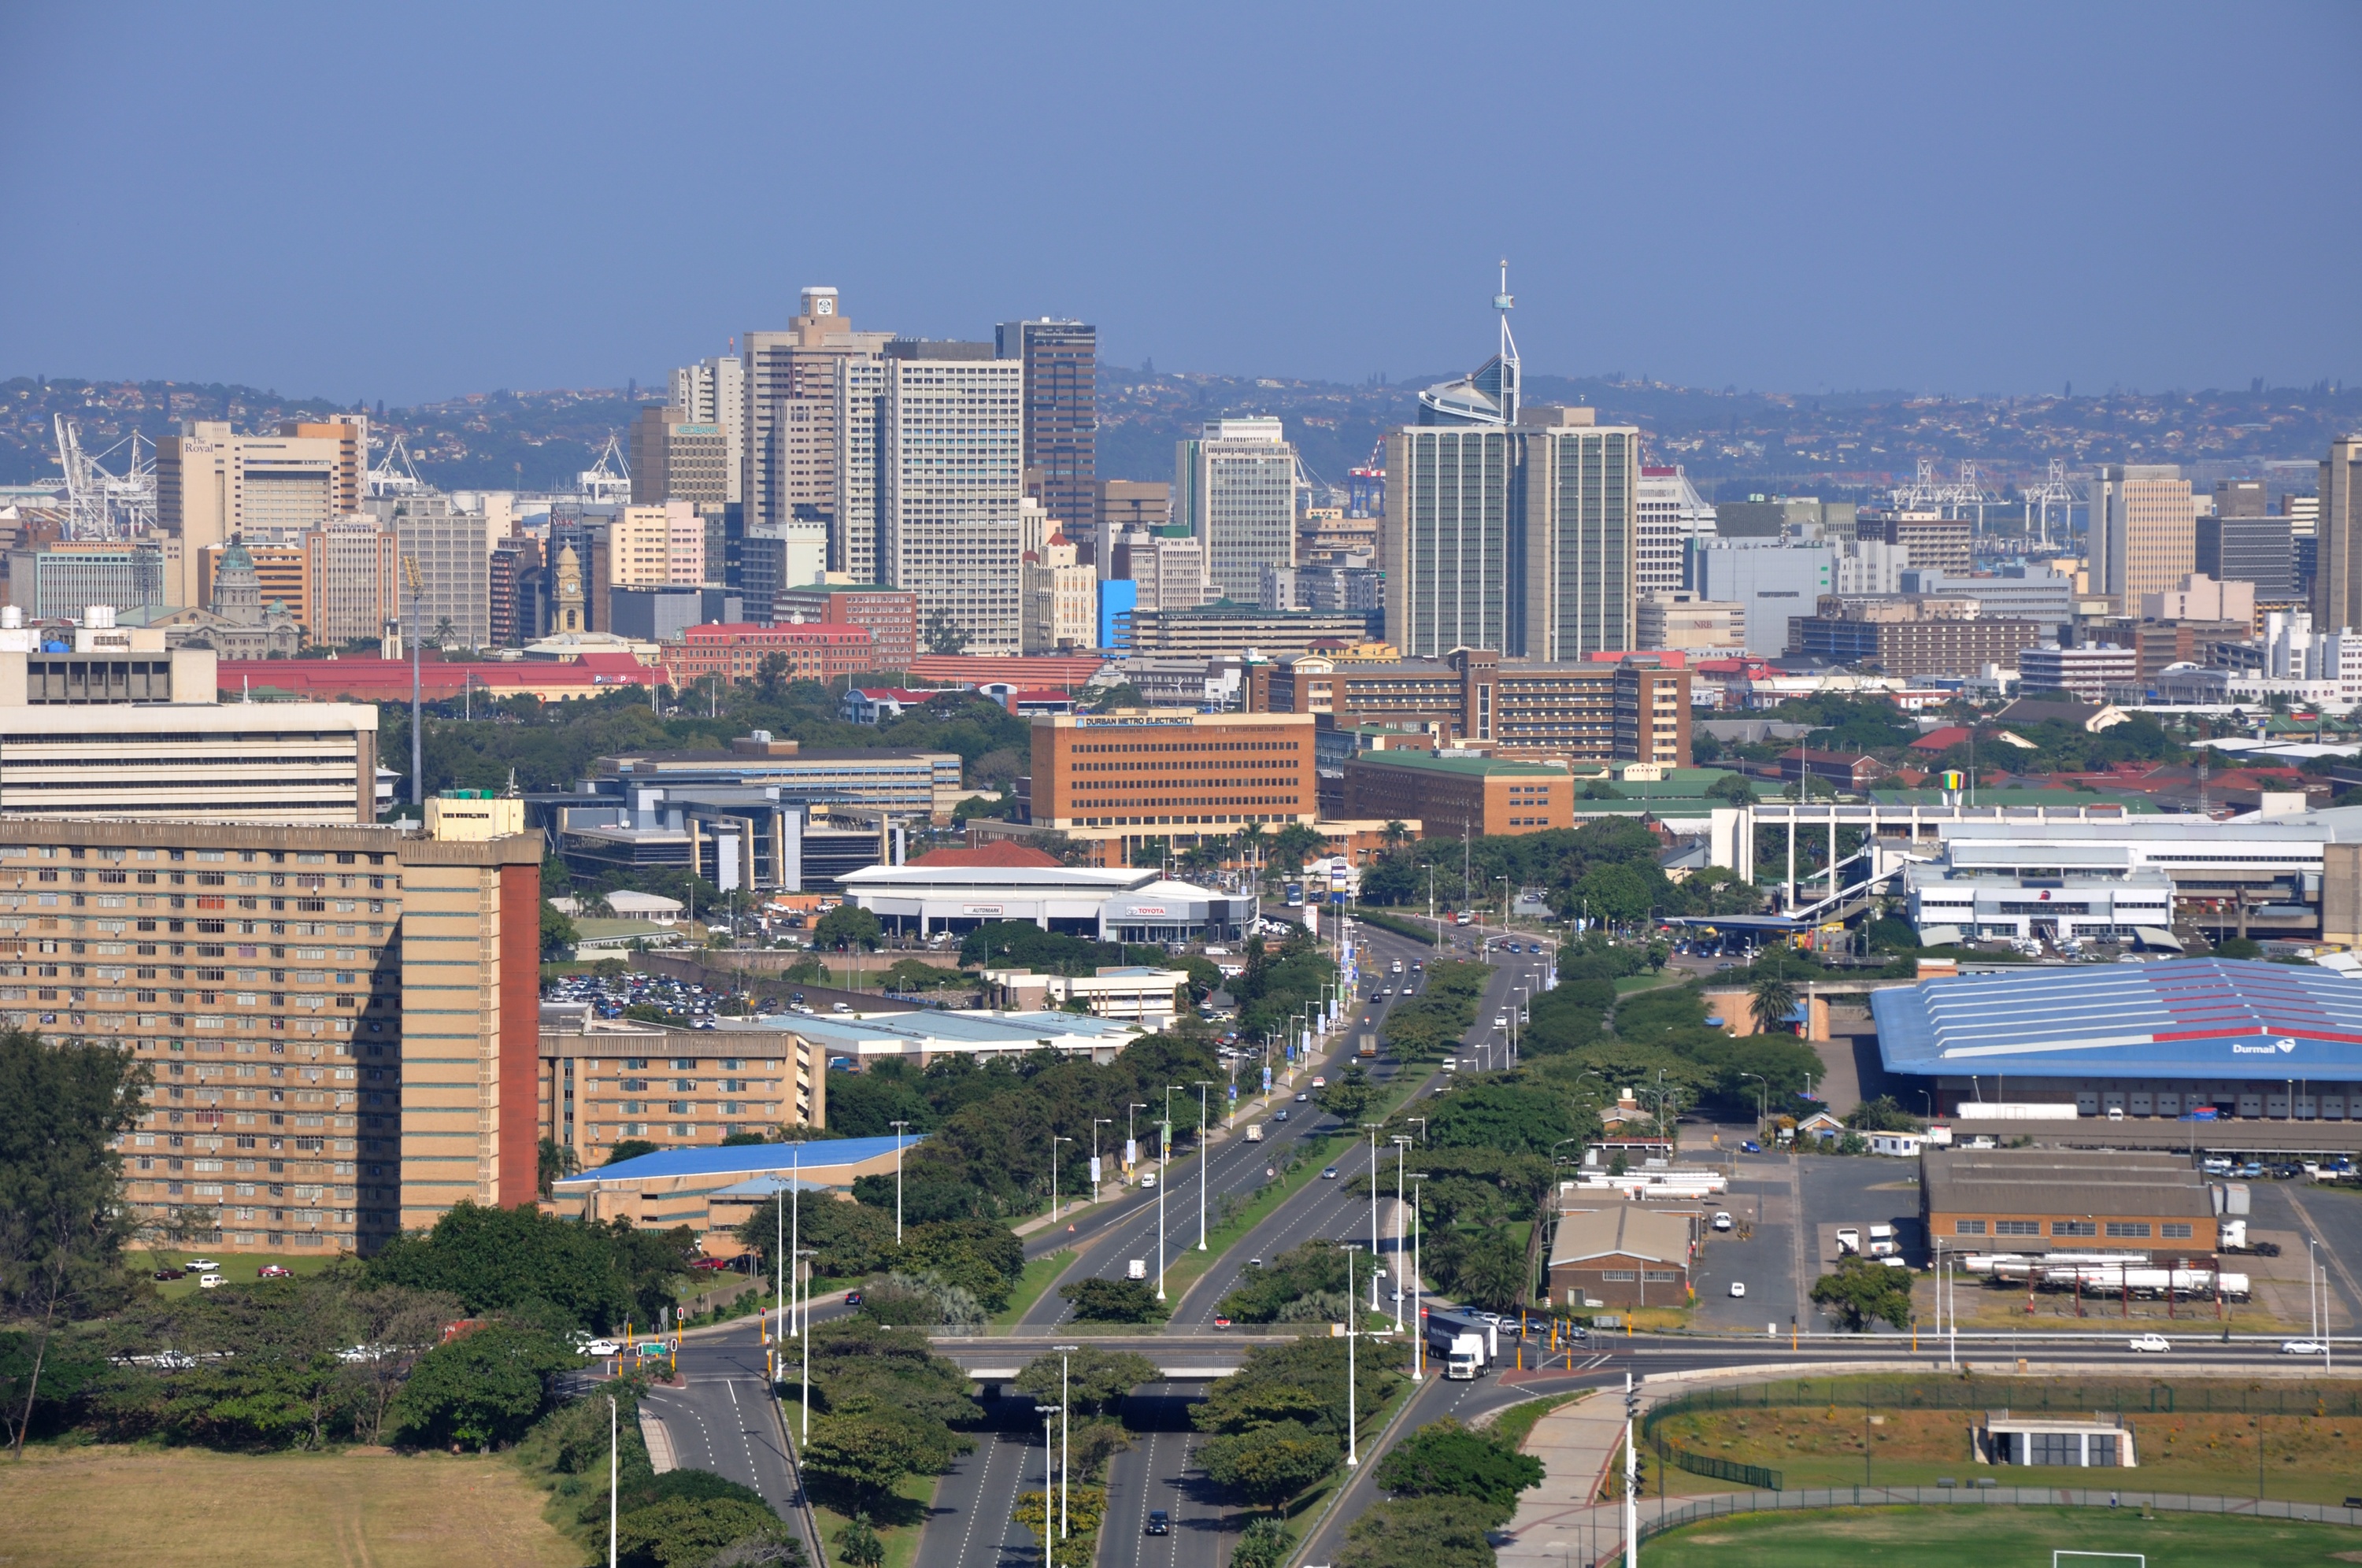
(1096, 1380)
(866, 1453)
(591, 1275)
(772, 675)
(1114, 1301)
(1770, 999)
(941, 634)
(1447, 1459)
(1514, 1117)
(629, 1148)
(1863, 1291)
(1881, 1115)
(1420, 1532)
(63, 1223)
(554, 1162)
(1267, 1465)
(557, 933)
(1491, 1272)
(1348, 1097)
(688, 1532)
(1263, 1544)
(481, 1389)
(847, 925)
(1733, 788)
(857, 1544)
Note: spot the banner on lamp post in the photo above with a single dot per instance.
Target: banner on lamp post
(1095, 1172)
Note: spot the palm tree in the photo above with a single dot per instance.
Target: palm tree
(1771, 999)
(446, 633)
(1396, 833)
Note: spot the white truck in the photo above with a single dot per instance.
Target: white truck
(1881, 1241)
(1466, 1345)
(1136, 1269)
(1255, 1132)
(1848, 1241)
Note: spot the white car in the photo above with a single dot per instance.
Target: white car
(1738, 1288)
(2157, 1343)
(599, 1349)
(1722, 1220)
(2302, 1347)
(208, 1281)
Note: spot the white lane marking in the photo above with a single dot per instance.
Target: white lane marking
(991, 1451)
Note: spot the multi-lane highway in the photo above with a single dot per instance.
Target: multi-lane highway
(716, 1420)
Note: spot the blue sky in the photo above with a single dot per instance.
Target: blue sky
(417, 201)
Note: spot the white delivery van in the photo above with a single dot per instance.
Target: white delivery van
(1255, 1132)
(1136, 1269)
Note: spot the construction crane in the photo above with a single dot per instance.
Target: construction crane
(101, 505)
(1365, 487)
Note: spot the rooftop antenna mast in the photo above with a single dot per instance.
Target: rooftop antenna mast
(1504, 302)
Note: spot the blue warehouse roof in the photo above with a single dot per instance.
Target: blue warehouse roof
(742, 1160)
(2197, 1018)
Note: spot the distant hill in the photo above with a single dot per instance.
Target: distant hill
(1848, 445)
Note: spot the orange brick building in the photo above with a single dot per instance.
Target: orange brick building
(1171, 774)
(735, 650)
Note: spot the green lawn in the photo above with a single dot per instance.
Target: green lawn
(1978, 1537)
(1039, 1274)
(900, 1541)
(237, 1268)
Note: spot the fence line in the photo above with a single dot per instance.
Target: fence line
(2154, 1397)
(1723, 1505)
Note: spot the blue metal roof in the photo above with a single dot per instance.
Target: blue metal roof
(2192, 1018)
(744, 1160)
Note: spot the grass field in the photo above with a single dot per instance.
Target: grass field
(237, 1268)
(900, 1541)
(2307, 1459)
(118, 1508)
(1996, 1537)
(1037, 1278)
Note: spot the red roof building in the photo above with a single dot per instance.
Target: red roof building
(1937, 741)
(1067, 671)
(387, 679)
(735, 650)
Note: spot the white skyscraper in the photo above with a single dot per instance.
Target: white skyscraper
(950, 462)
(1673, 512)
(1234, 486)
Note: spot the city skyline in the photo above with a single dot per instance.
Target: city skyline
(1800, 221)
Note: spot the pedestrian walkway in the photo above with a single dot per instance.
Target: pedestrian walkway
(1558, 1523)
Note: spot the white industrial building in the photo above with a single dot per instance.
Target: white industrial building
(1950, 904)
(1110, 904)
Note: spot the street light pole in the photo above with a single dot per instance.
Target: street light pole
(1374, 1127)
(1402, 1144)
(1054, 1142)
(1131, 1134)
(1352, 1415)
(1417, 1317)
(897, 1127)
(1164, 1180)
(1205, 1161)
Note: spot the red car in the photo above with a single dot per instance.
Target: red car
(711, 1262)
(274, 1271)
(1221, 1322)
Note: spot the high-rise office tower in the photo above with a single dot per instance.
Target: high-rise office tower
(213, 486)
(450, 537)
(1128, 507)
(1579, 483)
(1449, 538)
(2143, 531)
(351, 577)
(1510, 528)
(2242, 542)
(2337, 579)
(713, 392)
(1671, 514)
(1234, 487)
(675, 458)
(790, 387)
(950, 446)
(856, 523)
(1062, 364)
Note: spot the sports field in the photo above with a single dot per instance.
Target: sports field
(119, 1508)
(1998, 1537)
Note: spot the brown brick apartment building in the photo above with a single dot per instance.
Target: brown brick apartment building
(1634, 709)
(604, 1080)
(891, 615)
(1133, 774)
(339, 1019)
(1455, 797)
